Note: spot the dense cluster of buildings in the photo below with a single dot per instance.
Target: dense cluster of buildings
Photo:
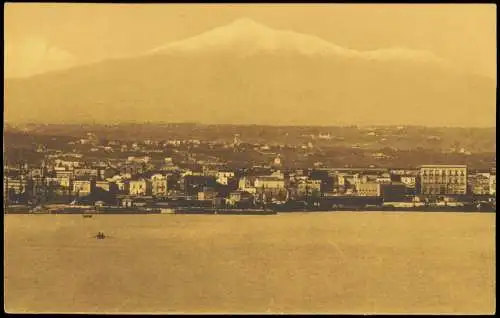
(65, 177)
(136, 179)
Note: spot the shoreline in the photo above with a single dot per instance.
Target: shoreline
(263, 213)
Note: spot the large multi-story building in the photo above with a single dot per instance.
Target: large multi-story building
(15, 186)
(139, 187)
(159, 185)
(344, 179)
(479, 183)
(83, 187)
(223, 177)
(269, 182)
(443, 179)
(309, 187)
(368, 189)
(493, 184)
(247, 184)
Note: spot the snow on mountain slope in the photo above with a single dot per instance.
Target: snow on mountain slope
(247, 37)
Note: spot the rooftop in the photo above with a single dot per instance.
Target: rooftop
(443, 166)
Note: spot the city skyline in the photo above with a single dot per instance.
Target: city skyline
(249, 158)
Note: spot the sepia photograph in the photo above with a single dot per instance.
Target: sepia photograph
(332, 158)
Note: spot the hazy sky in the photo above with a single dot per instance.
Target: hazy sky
(41, 37)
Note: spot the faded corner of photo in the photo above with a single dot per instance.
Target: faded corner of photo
(249, 158)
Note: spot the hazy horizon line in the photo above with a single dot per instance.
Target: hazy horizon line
(155, 123)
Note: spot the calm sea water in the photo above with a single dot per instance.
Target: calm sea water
(349, 262)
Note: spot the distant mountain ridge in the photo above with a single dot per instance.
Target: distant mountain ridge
(251, 36)
(247, 73)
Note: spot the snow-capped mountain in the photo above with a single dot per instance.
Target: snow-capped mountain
(246, 36)
(247, 73)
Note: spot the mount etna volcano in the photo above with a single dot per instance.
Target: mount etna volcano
(247, 73)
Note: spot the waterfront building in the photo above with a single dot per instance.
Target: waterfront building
(14, 186)
(240, 197)
(247, 184)
(139, 187)
(309, 187)
(346, 179)
(479, 183)
(83, 187)
(206, 194)
(159, 185)
(269, 182)
(368, 189)
(493, 184)
(104, 185)
(443, 179)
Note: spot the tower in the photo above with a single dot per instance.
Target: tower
(236, 142)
